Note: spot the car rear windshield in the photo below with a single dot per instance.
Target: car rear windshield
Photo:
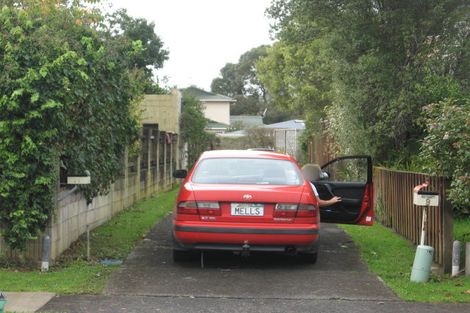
(247, 171)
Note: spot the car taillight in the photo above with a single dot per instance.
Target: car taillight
(202, 208)
(285, 210)
(187, 207)
(306, 210)
(209, 208)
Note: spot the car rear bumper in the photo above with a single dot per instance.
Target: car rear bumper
(236, 237)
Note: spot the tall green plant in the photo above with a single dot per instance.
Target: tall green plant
(193, 124)
(368, 67)
(446, 147)
(66, 96)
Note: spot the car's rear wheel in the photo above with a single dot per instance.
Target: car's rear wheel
(310, 258)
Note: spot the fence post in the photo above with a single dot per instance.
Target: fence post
(137, 178)
(125, 192)
(157, 158)
(447, 233)
(148, 190)
(165, 171)
(171, 161)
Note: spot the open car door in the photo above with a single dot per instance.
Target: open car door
(348, 177)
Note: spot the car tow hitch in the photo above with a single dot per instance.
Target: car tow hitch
(245, 249)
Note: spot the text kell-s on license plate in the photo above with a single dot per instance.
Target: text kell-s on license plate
(247, 209)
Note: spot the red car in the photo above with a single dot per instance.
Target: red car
(243, 200)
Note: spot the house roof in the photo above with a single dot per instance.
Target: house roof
(291, 124)
(206, 96)
(234, 134)
(216, 125)
(247, 120)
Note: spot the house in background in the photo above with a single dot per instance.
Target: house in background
(216, 127)
(298, 125)
(286, 135)
(216, 107)
(246, 121)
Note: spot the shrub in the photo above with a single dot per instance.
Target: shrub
(446, 147)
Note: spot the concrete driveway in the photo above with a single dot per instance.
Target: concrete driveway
(150, 282)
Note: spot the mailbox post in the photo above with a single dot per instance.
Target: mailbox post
(424, 254)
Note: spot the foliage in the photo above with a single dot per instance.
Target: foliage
(192, 125)
(115, 239)
(297, 76)
(258, 137)
(127, 29)
(255, 137)
(68, 94)
(446, 146)
(240, 81)
(367, 67)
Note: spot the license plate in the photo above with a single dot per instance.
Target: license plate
(247, 209)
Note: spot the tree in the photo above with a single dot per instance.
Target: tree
(241, 82)
(365, 66)
(68, 95)
(126, 29)
(446, 147)
(193, 124)
(230, 83)
(298, 77)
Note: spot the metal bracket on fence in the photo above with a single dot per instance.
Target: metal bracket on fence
(76, 180)
(68, 193)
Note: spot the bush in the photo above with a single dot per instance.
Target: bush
(193, 133)
(67, 93)
(255, 137)
(446, 147)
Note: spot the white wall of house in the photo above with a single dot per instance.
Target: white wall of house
(217, 111)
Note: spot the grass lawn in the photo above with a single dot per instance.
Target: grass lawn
(114, 240)
(391, 257)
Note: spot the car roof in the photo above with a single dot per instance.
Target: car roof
(245, 154)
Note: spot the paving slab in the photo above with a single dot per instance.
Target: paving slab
(26, 301)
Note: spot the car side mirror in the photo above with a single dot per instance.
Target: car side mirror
(180, 174)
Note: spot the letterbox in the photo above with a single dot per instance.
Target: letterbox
(426, 198)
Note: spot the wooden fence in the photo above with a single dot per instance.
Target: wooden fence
(394, 208)
(319, 150)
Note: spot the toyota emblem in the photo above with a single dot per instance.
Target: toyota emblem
(247, 197)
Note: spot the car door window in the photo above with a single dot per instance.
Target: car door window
(350, 178)
(347, 170)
